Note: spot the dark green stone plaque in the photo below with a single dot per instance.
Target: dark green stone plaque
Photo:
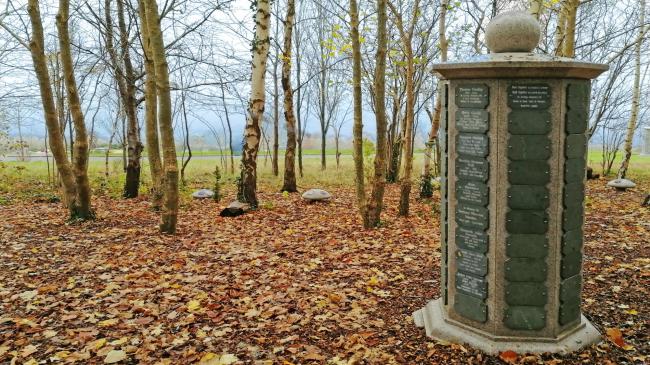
(529, 122)
(472, 120)
(533, 294)
(527, 245)
(445, 97)
(575, 146)
(528, 172)
(575, 170)
(570, 290)
(571, 265)
(472, 168)
(529, 96)
(528, 197)
(569, 313)
(471, 285)
(572, 242)
(443, 121)
(525, 318)
(578, 96)
(472, 144)
(471, 262)
(526, 270)
(443, 282)
(529, 147)
(526, 222)
(574, 194)
(472, 216)
(470, 239)
(470, 307)
(472, 96)
(573, 217)
(576, 121)
(473, 192)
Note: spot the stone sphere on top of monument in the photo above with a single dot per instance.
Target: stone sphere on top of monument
(513, 31)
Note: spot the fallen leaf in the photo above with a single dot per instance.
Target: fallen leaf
(228, 359)
(193, 305)
(114, 356)
(108, 322)
(98, 344)
(213, 359)
(509, 357)
(28, 295)
(28, 350)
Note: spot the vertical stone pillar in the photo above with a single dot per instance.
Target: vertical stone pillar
(514, 144)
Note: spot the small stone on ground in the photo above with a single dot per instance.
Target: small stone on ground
(203, 194)
(313, 195)
(621, 184)
(234, 209)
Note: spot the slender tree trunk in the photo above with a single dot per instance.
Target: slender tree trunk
(290, 153)
(20, 136)
(298, 61)
(636, 95)
(47, 160)
(151, 109)
(407, 152)
(252, 131)
(187, 137)
(323, 94)
(108, 152)
(375, 203)
(357, 127)
(337, 138)
(435, 118)
(570, 37)
(232, 152)
(80, 160)
(561, 28)
(60, 95)
(276, 118)
(323, 150)
(170, 164)
(134, 146)
(394, 134)
(536, 8)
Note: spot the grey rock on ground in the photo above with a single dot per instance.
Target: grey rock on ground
(313, 195)
(234, 209)
(621, 184)
(203, 194)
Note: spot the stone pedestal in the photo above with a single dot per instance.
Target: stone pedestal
(514, 138)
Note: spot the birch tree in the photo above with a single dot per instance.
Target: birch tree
(252, 133)
(80, 158)
(151, 110)
(406, 37)
(426, 190)
(357, 127)
(636, 94)
(536, 8)
(375, 205)
(74, 176)
(290, 153)
(169, 214)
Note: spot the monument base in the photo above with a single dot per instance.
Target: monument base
(438, 325)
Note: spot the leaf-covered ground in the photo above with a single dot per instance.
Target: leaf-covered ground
(292, 283)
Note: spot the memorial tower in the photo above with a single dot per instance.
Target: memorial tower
(514, 140)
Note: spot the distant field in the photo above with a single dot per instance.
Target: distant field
(30, 178)
(639, 165)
